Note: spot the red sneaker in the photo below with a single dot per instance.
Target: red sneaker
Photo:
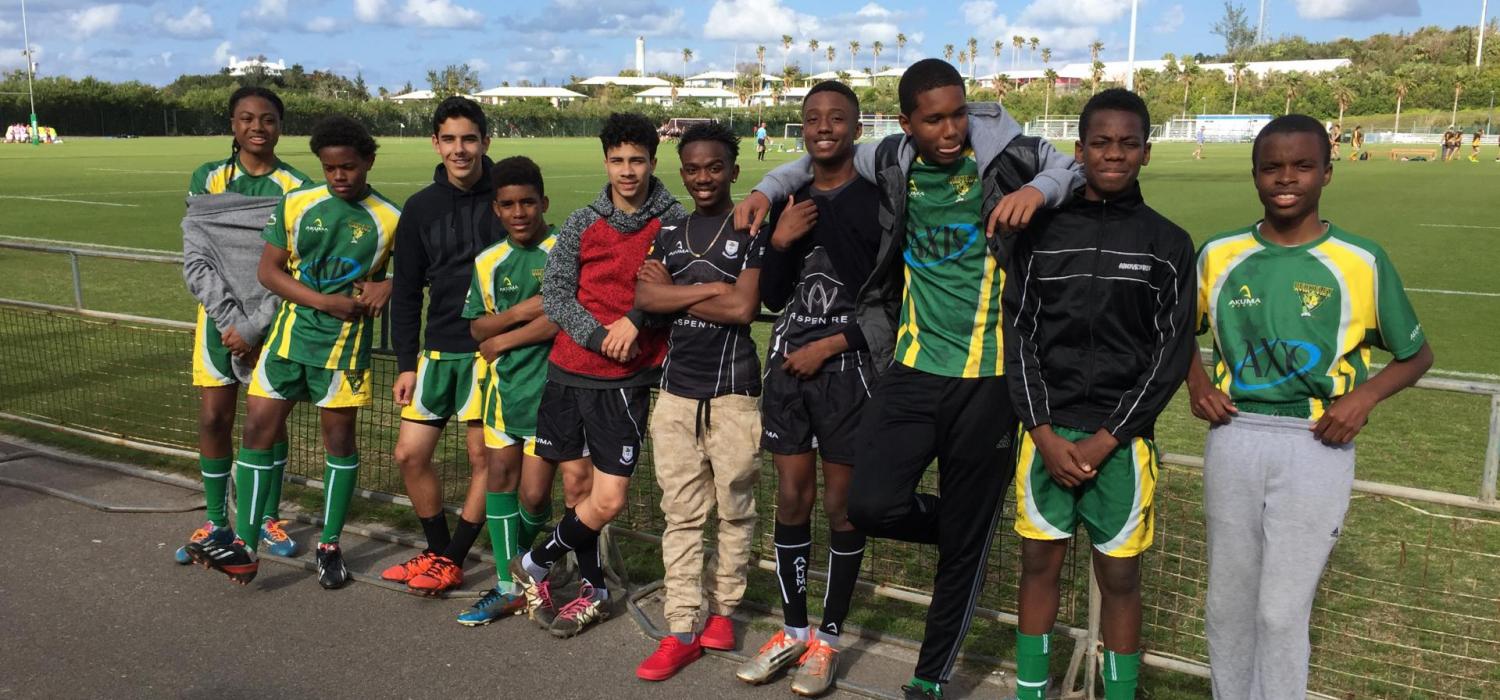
(442, 575)
(670, 657)
(409, 569)
(718, 633)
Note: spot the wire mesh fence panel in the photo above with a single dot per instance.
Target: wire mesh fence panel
(1409, 607)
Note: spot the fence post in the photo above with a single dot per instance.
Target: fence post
(78, 282)
(1491, 453)
(1095, 639)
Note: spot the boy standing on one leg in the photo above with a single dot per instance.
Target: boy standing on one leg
(1294, 304)
(817, 382)
(706, 420)
(602, 367)
(336, 237)
(505, 312)
(1097, 341)
(443, 227)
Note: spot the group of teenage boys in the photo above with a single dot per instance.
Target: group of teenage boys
(959, 293)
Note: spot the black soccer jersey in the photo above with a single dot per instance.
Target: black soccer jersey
(816, 281)
(707, 359)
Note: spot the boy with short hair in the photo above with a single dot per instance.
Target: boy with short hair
(930, 312)
(1097, 340)
(817, 381)
(505, 316)
(1294, 304)
(706, 419)
(444, 225)
(337, 238)
(602, 367)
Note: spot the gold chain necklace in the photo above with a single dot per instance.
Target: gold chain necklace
(688, 234)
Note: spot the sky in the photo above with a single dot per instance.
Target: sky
(391, 42)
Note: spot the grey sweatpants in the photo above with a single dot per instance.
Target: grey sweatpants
(1274, 498)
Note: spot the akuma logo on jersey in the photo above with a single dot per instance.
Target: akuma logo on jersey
(315, 227)
(1312, 295)
(937, 245)
(328, 272)
(1245, 300)
(1270, 362)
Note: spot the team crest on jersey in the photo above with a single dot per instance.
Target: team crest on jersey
(537, 273)
(962, 184)
(627, 454)
(355, 381)
(359, 230)
(1245, 300)
(731, 248)
(1312, 295)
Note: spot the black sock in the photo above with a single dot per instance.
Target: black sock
(590, 568)
(463, 540)
(846, 550)
(793, 548)
(436, 530)
(569, 535)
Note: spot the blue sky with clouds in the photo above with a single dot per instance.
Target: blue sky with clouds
(393, 41)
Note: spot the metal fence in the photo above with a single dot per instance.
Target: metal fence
(1409, 607)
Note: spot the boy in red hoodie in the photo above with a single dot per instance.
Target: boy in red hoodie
(601, 368)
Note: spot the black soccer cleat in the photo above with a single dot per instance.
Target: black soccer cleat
(331, 570)
(233, 559)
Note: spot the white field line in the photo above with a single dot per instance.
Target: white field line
(178, 173)
(66, 201)
(125, 192)
(1454, 292)
(86, 244)
(1492, 228)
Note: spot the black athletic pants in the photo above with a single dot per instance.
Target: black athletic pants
(969, 426)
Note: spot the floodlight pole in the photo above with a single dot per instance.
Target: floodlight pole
(1260, 28)
(1130, 57)
(36, 135)
(1484, 6)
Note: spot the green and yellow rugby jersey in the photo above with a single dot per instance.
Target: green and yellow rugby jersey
(1293, 326)
(214, 177)
(333, 244)
(950, 309)
(506, 274)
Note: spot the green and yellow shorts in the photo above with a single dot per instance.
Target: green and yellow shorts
(279, 378)
(449, 385)
(1116, 507)
(212, 362)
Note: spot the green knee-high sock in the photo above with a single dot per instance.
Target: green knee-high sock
(338, 487)
(532, 524)
(278, 474)
(502, 513)
(216, 472)
(252, 480)
(1032, 651)
(1120, 673)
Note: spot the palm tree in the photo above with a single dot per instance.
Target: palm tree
(853, 54)
(1401, 83)
(786, 48)
(830, 54)
(788, 74)
(1190, 71)
(1017, 41)
(875, 48)
(812, 46)
(1239, 70)
(1051, 76)
(1293, 84)
(1458, 88)
(1046, 56)
(998, 48)
(760, 58)
(1035, 42)
(1002, 87)
(948, 52)
(900, 45)
(1096, 69)
(676, 81)
(687, 57)
(1095, 49)
(973, 45)
(1344, 96)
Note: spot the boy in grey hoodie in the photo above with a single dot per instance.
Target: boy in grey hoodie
(930, 314)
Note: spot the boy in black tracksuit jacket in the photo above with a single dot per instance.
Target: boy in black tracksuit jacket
(1099, 332)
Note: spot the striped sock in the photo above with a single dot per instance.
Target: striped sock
(252, 480)
(532, 524)
(278, 474)
(1120, 673)
(215, 472)
(501, 512)
(339, 479)
(1032, 651)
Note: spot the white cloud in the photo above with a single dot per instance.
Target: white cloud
(266, 12)
(322, 25)
(90, 21)
(196, 24)
(618, 17)
(436, 14)
(478, 65)
(1356, 9)
(1074, 13)
(1170, 21)
(757, 20)
(982, 19)
(9, 29)
(222, 52)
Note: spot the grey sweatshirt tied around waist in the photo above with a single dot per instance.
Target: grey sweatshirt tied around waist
(221, 248)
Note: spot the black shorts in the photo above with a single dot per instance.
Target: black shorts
(603, 424)
(821, 413)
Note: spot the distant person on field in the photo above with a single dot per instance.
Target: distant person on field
(1474, 145)
(760, 141)
(1357, 143)
(1335, 135)
(1294, 304)
(1198, 152)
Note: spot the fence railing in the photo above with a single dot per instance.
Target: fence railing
(1409, 606)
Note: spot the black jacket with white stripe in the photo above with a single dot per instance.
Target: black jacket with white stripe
(1099, 305)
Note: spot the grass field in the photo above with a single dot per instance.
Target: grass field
(1437, 221)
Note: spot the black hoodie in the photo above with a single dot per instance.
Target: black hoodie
(442, 228)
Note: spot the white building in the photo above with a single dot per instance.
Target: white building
(726, 79)
(645, 81)
(501, 95)
(790, 96)
(856, 78)
(413, 96)
(710, 96)
(255, 65)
